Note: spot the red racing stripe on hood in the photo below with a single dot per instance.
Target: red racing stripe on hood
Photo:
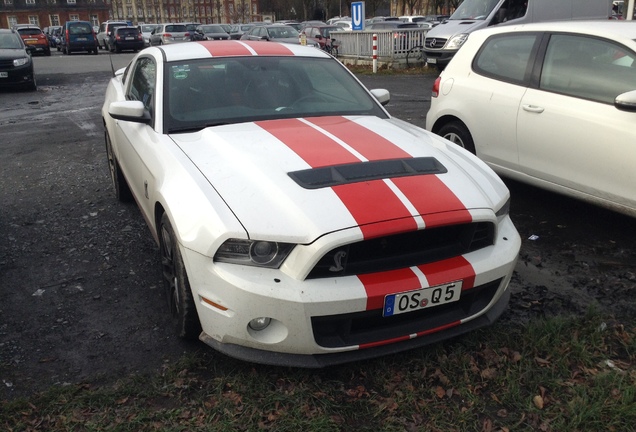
(428, 193)
(226, 48)
(269, 48)
(368, 202)
(369, 144)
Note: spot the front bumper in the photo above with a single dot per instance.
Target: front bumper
(439, 57)
(17, 75)
(325, 321)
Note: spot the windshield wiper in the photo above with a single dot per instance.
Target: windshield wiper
(195, 128)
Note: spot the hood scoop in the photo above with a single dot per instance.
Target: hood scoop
(316, 178)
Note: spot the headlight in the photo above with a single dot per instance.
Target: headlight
(253, 253)
(457, 41)
(20, 61)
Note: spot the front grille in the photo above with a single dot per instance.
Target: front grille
(434, 43)
(6, 64)
(366, 327)
(404, 250)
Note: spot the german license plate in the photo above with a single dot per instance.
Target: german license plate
(409, 301)
(4, 74)
(130, 38)
(431, 60)
(82, 39)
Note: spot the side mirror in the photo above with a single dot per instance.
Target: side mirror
(132, 111)
(626, 101)
(30, 49)
(383, 96)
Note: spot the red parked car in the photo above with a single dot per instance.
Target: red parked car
(33, 36)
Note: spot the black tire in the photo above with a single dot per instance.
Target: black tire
(122, 190)
(178, 292)
(415, 57)
(458, 133)
(32, 86)
(48, 52)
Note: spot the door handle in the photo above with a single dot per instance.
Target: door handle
(533, 108)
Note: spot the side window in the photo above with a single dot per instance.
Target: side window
(588, 68)
(142, 86)
(506, 57)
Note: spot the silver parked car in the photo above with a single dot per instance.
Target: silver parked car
(169, 33)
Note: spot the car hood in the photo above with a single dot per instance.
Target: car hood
(10, 54)
(271, 175)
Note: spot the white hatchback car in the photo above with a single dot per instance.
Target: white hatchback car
(551, 104)
(298, 222)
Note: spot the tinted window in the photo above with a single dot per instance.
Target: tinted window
(80, 28)
(143, 84)
(588, 68)
(506, 57)
(29, 31)
(10, 41)
(127, 31)
(176, 28)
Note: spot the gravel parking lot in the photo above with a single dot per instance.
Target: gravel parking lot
(80, 289)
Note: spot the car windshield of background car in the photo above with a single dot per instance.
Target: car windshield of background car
(29, 31)
(282, 32)
(10, 41)
(80, 29)
(474, 9)
(210, 92)
(212, 29)
(176, 28)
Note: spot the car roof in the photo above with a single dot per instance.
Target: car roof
(233, 48)
(616, 29)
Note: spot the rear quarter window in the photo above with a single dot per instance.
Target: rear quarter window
(507, 57)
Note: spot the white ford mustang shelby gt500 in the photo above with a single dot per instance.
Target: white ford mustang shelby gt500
(298, 222)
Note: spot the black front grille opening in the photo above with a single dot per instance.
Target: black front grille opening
(404, 250)
(358, 328)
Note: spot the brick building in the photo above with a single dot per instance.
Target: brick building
(44, 13)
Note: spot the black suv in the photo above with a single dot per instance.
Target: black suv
(125, 38)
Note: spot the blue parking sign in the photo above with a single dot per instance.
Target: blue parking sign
(357, 15)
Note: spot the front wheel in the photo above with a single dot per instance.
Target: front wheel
(122, 191)
(178, 292)
(458, 133)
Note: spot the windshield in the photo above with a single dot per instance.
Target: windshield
(215, 91)
(176, 28)
(80, 28)
(474, 9)
(212, 29)
(10, 41)
(282, 32)
(29, 31)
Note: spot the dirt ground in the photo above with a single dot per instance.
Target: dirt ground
(81, 298)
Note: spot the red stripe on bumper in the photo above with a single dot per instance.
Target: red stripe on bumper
(403, 338)
(378, 285)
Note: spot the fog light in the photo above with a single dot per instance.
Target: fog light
(260, 323)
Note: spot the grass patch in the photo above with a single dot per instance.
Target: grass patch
(559, 374)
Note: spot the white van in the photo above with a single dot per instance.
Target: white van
(443, 41)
